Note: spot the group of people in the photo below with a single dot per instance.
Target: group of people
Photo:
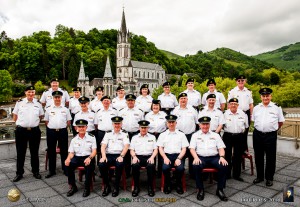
(130, 132)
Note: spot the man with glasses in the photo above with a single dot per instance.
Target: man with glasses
(167, 99)
(244, 96)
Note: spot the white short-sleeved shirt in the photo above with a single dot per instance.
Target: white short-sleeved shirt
(266, 118)
(158, 122)
(143, 145)
(103, 119)
(48, 99)
(235, 123)
(74, 105)
(220, 99)
(118, 103)
(83, 146)
(167, 100)
(187, 118)
(172, 142)
(131, 117)
(57, 117)
(206, 144)
(95, 105)
(115, 142)
(244, 96)
(216, 115)
(144, 103)
(88, 116)
(28, 112)
(194, 97)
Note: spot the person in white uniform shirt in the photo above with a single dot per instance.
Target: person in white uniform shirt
(194, 96)
(47, 98)
(74, 106)
(144, 101)
(186, 122)
(216, 115)
(268, 118)
(57, 119)
(172, 147)
(96, 103)
(168, 100)
(207, 149)
(82, 151)
(143, 150)
(220, 99)
(244, 95)
(119, 102)
(27, 114)
(114, 146)
(236, 122)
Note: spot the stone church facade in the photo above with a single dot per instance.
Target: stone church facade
(131, 74)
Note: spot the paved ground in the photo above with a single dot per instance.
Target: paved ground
(52, 192)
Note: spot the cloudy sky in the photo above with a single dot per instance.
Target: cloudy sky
(179, 26)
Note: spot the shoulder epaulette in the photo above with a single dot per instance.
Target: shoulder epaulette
(45, 90)
(77, 112)
(219, 109)
(98, 110)
(92, 99)
(277, 104)
(219, 91)
(114, 108)
(141, 110)
(201, 108)
(20, 99)
(91, 134)
(71, 97)
(93, 111)
(124, 131)
(48, 106)
(180, 130)
(249, 89)
(108, 131)
(121, 109)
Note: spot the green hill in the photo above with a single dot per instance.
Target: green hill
(170, 55)
(286, 57)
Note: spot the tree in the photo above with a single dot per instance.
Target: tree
(274, 78)
(5, 86)
(73, 72)
(39, 87)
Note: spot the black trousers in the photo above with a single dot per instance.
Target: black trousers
(265, 143)
(72, 127)
(136, 170)
(178, 170)
(55, 137)
(78, 161)
(234, 160)
(104, 167)
(244, 144)
(212, 161)
(127, 157)
(159, 157)
(189, 155)
(22, 137)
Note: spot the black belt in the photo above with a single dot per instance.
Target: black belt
(154, 133)
(27, 128)
(57, 130)
(233, 134)
(167, 109)
(265, 133)
(104, 131)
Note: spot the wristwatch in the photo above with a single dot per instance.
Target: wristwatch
(122, 156)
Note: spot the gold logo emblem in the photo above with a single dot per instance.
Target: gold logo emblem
(205, 118)
(117, 118)
(13, 195)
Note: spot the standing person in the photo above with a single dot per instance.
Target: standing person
(194, 97)
(86, 114)
(172, 147)
(114, 147)
(74, 106)
(157, 125)
(96, 103)
(186, 122)
(207, 148)
(47, 98)
(220, 99)
(27, 114)
(216, 115)
(167, 99)
(144, 101)
(119, 102)
(143, 150)
(236, 122)
(244, 95)
(82, 151)
(131, 116)
(103, 121)
(268, 118)
(57, 119)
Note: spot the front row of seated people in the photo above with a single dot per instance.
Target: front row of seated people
(206, 147)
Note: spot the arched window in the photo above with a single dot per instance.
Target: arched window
(148, 75)
(144, 75)
(139, 74)
(157, 76)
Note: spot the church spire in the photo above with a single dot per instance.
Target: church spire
(107, 72)
(123, 23)
(81, 72)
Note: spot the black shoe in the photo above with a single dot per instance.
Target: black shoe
(269, 183)
(135, 192)
(167, 190)
(50, 175)
(106, 191)
(17, 178)
(37, 175)
(200, 195)
(179, 190)
(239, 179)
(151, 192)
(257, 180)
(221, 195)
(115, 192)
(72, 191)
(86, 192)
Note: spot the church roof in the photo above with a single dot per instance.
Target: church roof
(107, 72)
(82, 76)
(145, 65)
